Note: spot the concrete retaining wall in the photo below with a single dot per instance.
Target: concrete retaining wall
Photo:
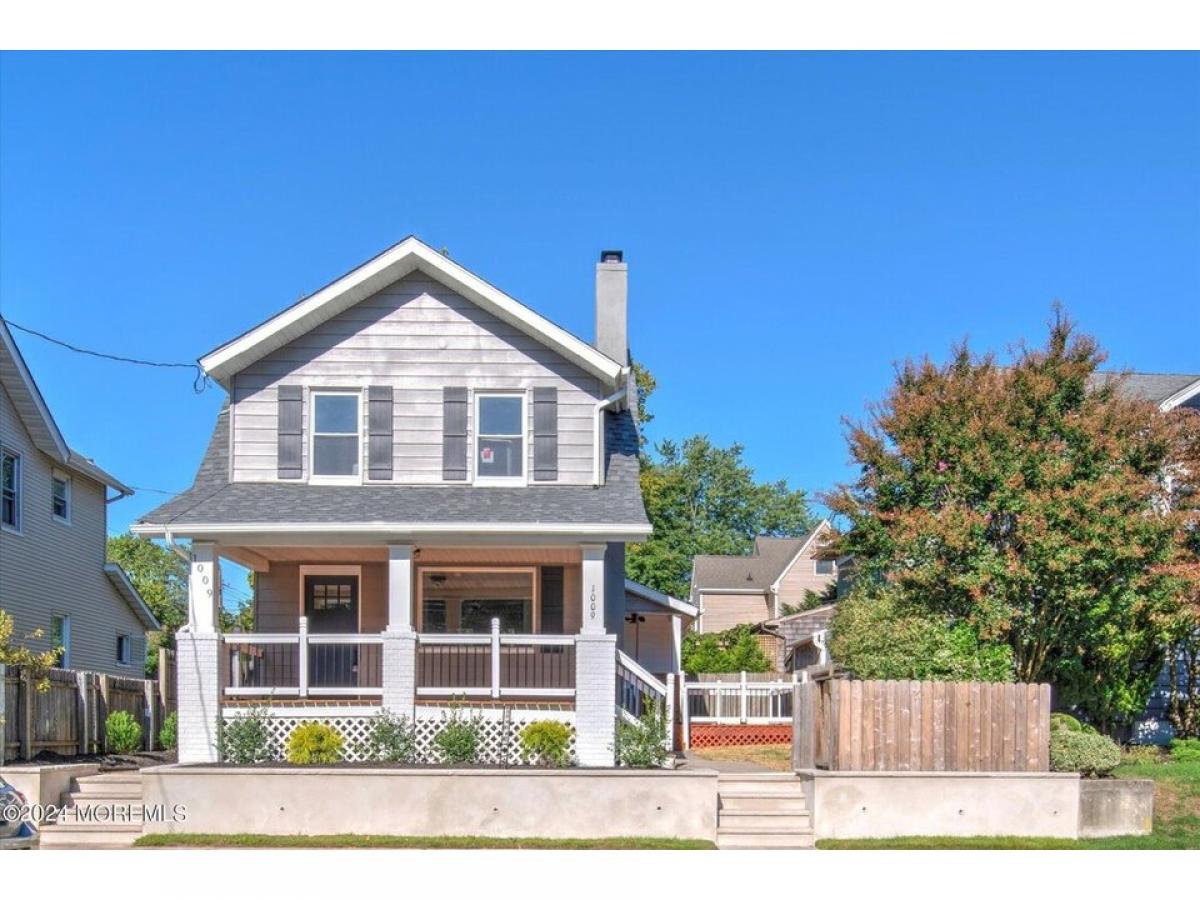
(1115, 806)
(45, 785)
(495, 803)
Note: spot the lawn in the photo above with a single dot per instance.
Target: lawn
(395, 842)
(773, 756)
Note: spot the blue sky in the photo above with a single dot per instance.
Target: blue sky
(794, 224)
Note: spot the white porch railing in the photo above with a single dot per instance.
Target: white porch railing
(302, 664)
(638, 691)
(495, 665)
(738, 702)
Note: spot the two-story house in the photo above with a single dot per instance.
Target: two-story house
(434, 486)
(54, 575)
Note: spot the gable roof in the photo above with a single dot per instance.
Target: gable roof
(1164, 390)
(798, 626)
(130, 595)
(377, 273)
(35, 414)
(756, 572)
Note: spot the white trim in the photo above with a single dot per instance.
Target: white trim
(392, 530)
(375, 274)
(128, 638)
(355, 571)
(18, 526)
(61, 450)
(598, 434)
(313, 394)
(507, 480)
(747, 591)
(661, 599)
(822, 526)
(59, 475)
(1181, 397)
(304, 712)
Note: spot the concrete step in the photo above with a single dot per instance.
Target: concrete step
(763, 801)
(774, 788)
(770, 840)
(116, 784)
(74, 836)
(773, 821)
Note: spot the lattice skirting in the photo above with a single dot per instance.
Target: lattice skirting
(499, 728)
(711, 735)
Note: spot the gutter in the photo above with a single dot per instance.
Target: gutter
(598, 433)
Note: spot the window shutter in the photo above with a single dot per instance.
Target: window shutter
(545, 434)
(454, 434)
(290, 429)
(379, 432)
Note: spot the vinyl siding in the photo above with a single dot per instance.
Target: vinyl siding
(651, 644)
(721, 612)
(56, 568)
(802, 577)
(417, 336)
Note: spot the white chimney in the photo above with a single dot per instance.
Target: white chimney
(612, 291)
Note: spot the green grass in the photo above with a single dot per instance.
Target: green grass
(1176, 821)
(395, 842)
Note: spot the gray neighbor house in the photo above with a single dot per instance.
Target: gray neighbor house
(54, 575)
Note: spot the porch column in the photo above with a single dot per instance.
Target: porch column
(595, 698)
(399, 639)
(593, 589)
(198, 694)
(204, 589)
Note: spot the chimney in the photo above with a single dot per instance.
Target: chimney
(612, 291)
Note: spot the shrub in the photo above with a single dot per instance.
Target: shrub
(1067, 722)
(1185, 750)
(392, 739)
(314, 744)
(643, 744)
(735, 650)
(122, 732)
(546, 742)
(1143, 755)
(246, 738)
(168, 735)
(1092, 755)
(458, 740)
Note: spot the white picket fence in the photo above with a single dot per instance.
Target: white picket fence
(737, 701)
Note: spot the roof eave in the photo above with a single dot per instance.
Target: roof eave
(131, 596)
(319, 533)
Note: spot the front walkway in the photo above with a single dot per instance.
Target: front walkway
(692, 760)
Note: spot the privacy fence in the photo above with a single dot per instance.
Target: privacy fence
(928, 726)
(68, 717)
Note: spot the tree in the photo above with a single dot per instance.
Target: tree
(646, 385)
(160, 576)
(735, 650)
(36, 665)
(704, 499)
(1021, 500)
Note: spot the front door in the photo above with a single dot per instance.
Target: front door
(331, 606)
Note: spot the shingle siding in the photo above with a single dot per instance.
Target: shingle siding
(720, 612)
(52, 567)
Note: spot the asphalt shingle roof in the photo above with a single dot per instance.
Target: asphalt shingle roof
(740, 573)
(1150, 386)
(799, 626)
(212, 498)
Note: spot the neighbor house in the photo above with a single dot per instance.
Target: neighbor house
(773, 580)
(54, 575)
(434, 486)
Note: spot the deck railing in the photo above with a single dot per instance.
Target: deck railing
(739, 700)
(495, 665)
(303, 664)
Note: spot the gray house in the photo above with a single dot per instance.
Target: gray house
(54, 576)
(434, 486)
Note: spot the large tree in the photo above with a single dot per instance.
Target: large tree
(160, 576)
(1025, 501)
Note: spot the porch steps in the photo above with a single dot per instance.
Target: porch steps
(99, 812)
(762, 811)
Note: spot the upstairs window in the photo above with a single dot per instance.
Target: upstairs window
(500, 438)
(336, 433)
(826, 567)
(10, 490)
(60, 497)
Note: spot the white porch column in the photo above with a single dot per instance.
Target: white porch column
(399, 639)
(593, 589)
(400, 601)
(204, 589)
(595, 698)
(198, 694)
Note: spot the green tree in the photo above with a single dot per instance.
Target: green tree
(1024, 501)
(160, 576)
(735, 650)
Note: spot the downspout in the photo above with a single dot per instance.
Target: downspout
(597, 437)
(819, 638)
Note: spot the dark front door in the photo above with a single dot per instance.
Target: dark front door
(331, 606)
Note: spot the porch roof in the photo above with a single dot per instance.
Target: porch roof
(213, 502)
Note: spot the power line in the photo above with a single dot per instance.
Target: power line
(198, 385)
(147, 490)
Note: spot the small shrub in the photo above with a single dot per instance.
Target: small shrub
(458, 740)
(1067, 722)
(546, 742)
(1143, 755)
(314, 744)
(392, 739)
(122, 732)
(1092, 755)
(643, 744)
(246, 738)
(1185, 750)
(168, 735)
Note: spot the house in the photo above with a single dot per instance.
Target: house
(54, 577)
(434, 486)
(796, 641)
(747, 590)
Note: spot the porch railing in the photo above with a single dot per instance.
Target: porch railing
(638, 692)
(495, 665)
(302, 664)
(739, 700)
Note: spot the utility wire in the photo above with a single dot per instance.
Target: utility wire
(199, 385)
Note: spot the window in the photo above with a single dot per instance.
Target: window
(464, 601)
(336, 432)
(500, 441)
(825, 567)
(60, 636)
(60, 497)
(10, 490)
(124, 649)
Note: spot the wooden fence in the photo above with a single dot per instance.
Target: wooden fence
(68, 717)
(927, 726)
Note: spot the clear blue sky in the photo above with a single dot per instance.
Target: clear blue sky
(793, 224)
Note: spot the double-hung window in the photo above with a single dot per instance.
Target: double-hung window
(825, 567)
(10, 489)
(60, 637)
(60, 497)
(500, 438)
(124, 650)
(336, 436)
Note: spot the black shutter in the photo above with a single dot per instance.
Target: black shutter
(454, 434)
(291, 431)
(545, 434)
(379, 433)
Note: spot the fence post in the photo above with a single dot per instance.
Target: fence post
(3, 712)
(495, 658)
(25, 720)
(102, 713)
(302, 658)
(803, 720)
(81, 712)
(685, 712)
(742, 700)
(670, 710)
(148, 690)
